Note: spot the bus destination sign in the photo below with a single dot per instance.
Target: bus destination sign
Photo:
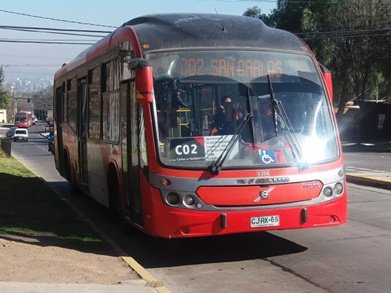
(226, 67)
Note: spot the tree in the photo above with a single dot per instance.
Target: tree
(360, 41)
(43, 101)
(352, 38)
(255, 12)
(4, 97)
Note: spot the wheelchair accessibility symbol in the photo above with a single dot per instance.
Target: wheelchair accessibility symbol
(267, 156)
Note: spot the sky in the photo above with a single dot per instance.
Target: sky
(33, 61)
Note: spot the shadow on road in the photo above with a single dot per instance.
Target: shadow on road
(153, 253)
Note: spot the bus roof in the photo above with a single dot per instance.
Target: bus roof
(168, 31)
(178, 31)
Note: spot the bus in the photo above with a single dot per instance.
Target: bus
(136, 129)
(23, 119)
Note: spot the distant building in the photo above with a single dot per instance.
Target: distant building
(3, 116)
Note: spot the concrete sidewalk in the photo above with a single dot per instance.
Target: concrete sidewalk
(24, 287)
(380, 180)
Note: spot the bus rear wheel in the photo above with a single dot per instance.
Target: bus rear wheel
(114, 198)
(69, 175)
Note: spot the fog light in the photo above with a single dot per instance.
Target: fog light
(189, 200)
(172, 198)
(338, 188)
(327, 191)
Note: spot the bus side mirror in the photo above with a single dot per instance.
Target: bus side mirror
(328, 81)
(144, 79)
(144, 85)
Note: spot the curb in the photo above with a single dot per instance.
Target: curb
(145, 275)
(369, 181)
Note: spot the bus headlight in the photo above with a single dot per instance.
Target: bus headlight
(172, 198)
(189, 200)
(328, 191)
(338, 188)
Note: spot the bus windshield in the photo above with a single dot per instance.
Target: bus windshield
(242, 109)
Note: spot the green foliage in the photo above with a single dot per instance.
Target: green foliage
(352, 38)
(255, 11)
(30, 209)
(4, 97)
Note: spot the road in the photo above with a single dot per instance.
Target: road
(364, 161)
(355, 257)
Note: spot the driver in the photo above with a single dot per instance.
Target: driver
(223, 122)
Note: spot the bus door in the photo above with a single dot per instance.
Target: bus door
(59, 118)
(83, 128)
(130, 150)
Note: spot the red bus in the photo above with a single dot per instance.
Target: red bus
(191, 125)
(23, 119)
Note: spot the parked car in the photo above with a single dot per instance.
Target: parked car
(10, 132)
(21, 134)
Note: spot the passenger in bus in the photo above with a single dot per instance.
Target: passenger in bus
(177, 99)
(223, 122)
(238, 111)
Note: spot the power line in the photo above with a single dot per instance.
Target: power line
(44, 42)
(347, 36)
(58, 31)
(52, 29)
(55, 19)
(355, 33)
(342, 32)
(30, 65)
(275, 1)
(385, 2)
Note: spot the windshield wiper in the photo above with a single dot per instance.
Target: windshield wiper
(293, 141)
(216, 165)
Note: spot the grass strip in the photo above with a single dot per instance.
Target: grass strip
(31, 212)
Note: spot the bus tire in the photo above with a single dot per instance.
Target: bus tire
(113, 190)
(69, 175)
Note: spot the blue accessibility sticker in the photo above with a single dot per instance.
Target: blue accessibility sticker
(267, 156)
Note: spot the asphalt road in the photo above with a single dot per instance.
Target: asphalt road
(355, 257)
(374, 161)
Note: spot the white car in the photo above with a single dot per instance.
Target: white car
(21, 134)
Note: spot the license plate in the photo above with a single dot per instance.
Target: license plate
(267, 221)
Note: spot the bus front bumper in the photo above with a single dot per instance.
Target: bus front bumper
(169, 222)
